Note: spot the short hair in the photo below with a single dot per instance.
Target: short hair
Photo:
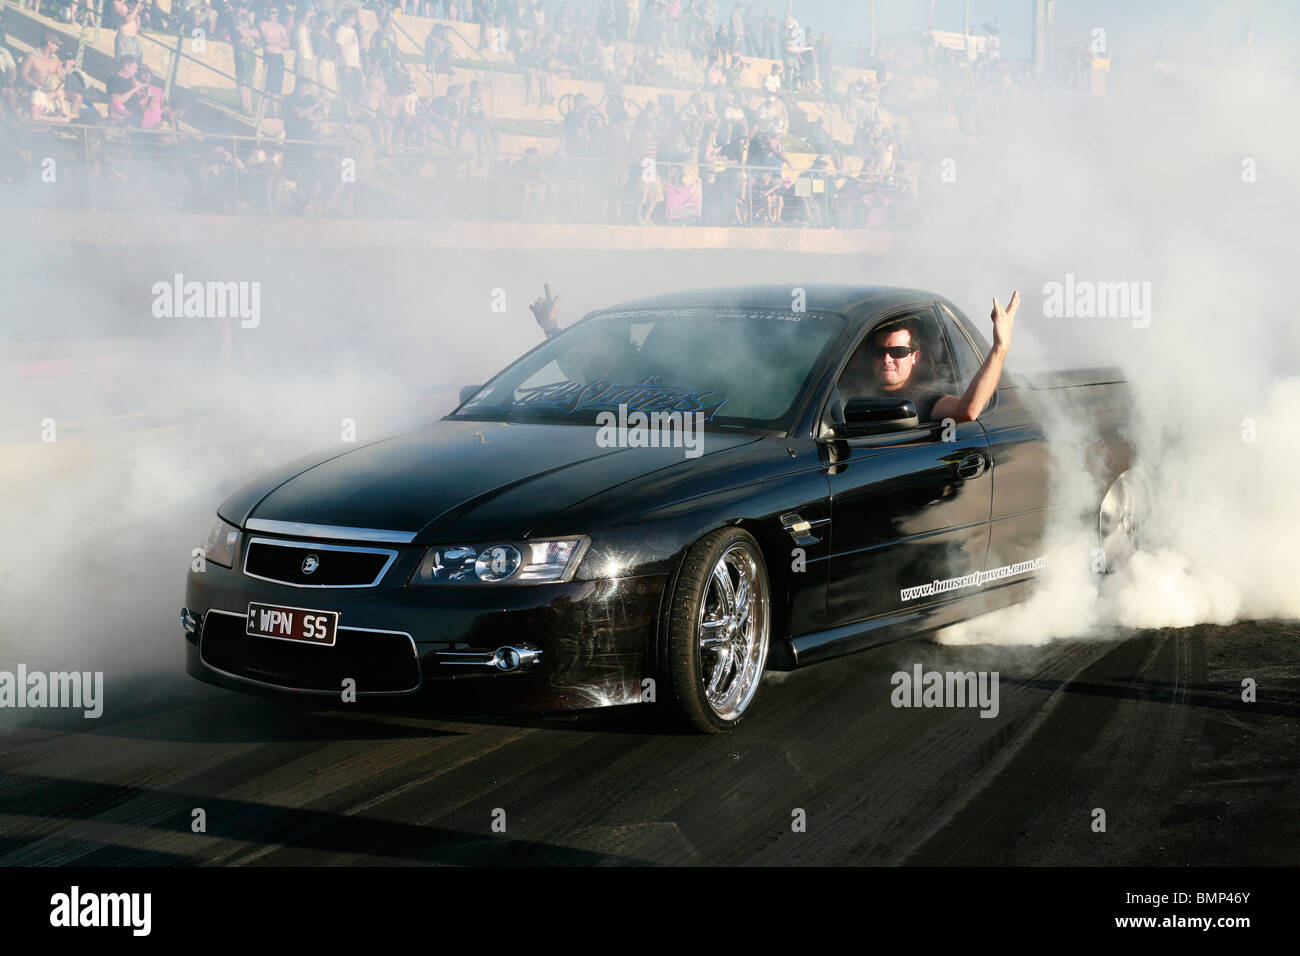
(906, 324)
(126, 59)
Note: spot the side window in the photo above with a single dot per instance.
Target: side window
(966, 358)
(935, 368)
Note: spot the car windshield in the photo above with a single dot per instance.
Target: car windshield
(739, 367)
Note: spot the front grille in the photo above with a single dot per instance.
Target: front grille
(332, 565)
(379, 661)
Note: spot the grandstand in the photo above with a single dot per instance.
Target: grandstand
(827, 154)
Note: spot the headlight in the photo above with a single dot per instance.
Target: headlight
(222, 544)
(503, 562)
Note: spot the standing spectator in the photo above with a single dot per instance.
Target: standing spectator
(737, 27)
(385, 56)
(275, 40)
(645, 153)
(476, 121)
(443, 116)
(753, 26)
(304, 51)
(327, 53)
(437, 49)
(673, 16)
(349, 49)
(244, 40)
(633, 18)
(768, 46)
(126, 20)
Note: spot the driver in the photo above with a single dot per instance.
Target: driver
(895, 352)
(893, 363)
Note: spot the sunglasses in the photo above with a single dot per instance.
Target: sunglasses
(893, 351)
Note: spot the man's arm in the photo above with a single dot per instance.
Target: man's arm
(981, 388)
(28, 70)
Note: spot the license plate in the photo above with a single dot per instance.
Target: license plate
(292, 624)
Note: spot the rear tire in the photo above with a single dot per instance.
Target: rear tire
(1121, 519)
(718, 632)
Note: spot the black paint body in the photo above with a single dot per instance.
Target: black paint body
(888, 512)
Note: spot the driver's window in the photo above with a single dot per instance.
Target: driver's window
(931, 366)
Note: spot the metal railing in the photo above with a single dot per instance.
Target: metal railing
(116, 167)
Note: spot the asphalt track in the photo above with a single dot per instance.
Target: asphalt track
(1149, 727)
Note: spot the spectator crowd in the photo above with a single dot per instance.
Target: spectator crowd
(716, 155)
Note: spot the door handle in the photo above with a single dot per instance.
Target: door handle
(972, 466)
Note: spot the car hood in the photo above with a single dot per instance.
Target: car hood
(457, 480)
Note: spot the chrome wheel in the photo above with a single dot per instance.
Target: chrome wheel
(732, 632)
(1119, 523)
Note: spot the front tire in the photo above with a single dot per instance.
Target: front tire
(718, 632)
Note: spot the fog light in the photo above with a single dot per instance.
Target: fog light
(509, 658)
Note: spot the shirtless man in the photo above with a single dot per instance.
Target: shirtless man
(126, 13)
(43, 61)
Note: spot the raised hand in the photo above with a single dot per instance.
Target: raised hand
(1004, 319)
(545, 309)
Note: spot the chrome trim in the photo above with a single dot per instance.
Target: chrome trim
(316, 546)
(800, 528)
(507, 658)
(307, 690)
(336, 532)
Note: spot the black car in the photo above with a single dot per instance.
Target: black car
(651, 507)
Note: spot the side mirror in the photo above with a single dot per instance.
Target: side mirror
(467, 392)
(876, 415)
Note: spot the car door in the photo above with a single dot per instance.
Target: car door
(1018, 459)
(909, 510)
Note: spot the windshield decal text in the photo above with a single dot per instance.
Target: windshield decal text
(604, 395)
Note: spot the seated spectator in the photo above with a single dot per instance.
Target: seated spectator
(769, 197)
(48, 104)
(773, 116)
(79, 109)
(8, 67)
(772, 82)
(147, 107)
(123, 89)
(42, 62)
(443, 116)
(303, 112)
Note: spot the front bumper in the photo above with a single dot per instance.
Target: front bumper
(592, 638)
